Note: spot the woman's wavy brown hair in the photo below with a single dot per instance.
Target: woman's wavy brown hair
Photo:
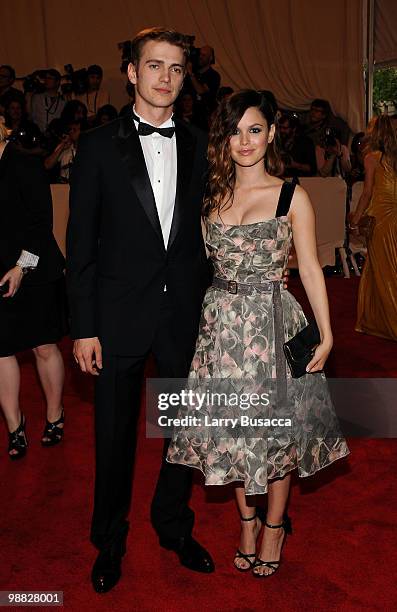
(382, 137)
(222, 173)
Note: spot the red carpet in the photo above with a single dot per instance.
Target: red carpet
(340, 557)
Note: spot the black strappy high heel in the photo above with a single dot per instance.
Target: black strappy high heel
(260, 514)
(17, 441)
(53, 432)
(273, 565)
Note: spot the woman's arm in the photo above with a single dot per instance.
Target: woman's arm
(53, 158)
(304, 235)
(370, 163)
(324, 166)
(345, 163)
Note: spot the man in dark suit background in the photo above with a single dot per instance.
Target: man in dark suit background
(137, 271)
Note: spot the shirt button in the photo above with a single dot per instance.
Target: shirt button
(158, 152)
(159, 181)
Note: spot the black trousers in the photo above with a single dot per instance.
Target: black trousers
(117, 402)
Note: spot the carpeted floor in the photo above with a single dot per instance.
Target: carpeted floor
(341, 556)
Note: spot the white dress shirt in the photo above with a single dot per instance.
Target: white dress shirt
(161, 163)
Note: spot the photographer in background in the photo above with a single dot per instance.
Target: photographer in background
(333, 158)
(7, 91)
(204, 80)
(95, 97)
(48, 105)
(297, 151)
(319, 118)
(62, 157)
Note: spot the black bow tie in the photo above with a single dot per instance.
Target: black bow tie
(144, 129)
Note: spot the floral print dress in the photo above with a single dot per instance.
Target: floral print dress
(237, 345)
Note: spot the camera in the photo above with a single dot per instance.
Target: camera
(76, 81)
(329, 138)
(34, 82)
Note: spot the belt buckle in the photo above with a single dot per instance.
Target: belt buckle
(232, 286)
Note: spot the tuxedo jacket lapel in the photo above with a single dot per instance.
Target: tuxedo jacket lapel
(185, 145)
(130, 149)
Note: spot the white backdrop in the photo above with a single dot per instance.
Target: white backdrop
(300, 49)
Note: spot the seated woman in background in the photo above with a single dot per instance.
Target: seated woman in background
(32, 292)
(377, 299)
(64, 153)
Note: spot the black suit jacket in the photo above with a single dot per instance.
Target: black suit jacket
(117, 264)
(26, 217)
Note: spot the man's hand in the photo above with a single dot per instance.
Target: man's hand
(14, 277)
(88, 354)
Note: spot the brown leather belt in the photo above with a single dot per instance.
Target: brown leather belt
(234, 287)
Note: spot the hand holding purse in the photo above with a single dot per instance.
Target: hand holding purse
(299, 350)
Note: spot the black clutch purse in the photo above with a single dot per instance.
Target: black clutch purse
(299, 350)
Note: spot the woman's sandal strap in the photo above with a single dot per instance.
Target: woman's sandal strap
(271, 564)
(52, 428)
(246, 557)
(251, 518)
(53, 424)
(241, 555)
(274, 526)
(17, 442)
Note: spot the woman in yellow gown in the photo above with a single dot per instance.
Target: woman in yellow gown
(377, 299)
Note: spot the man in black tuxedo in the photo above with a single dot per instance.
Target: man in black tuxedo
(137, 271)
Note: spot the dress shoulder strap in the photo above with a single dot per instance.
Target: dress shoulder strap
(284, 201)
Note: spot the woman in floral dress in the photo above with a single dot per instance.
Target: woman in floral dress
(250, 218)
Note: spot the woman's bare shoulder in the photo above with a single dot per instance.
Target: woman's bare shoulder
(300, 196)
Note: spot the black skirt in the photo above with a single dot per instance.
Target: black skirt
(36, 315)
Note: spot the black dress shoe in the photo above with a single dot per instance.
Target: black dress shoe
(191, 554)
(106, 571)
